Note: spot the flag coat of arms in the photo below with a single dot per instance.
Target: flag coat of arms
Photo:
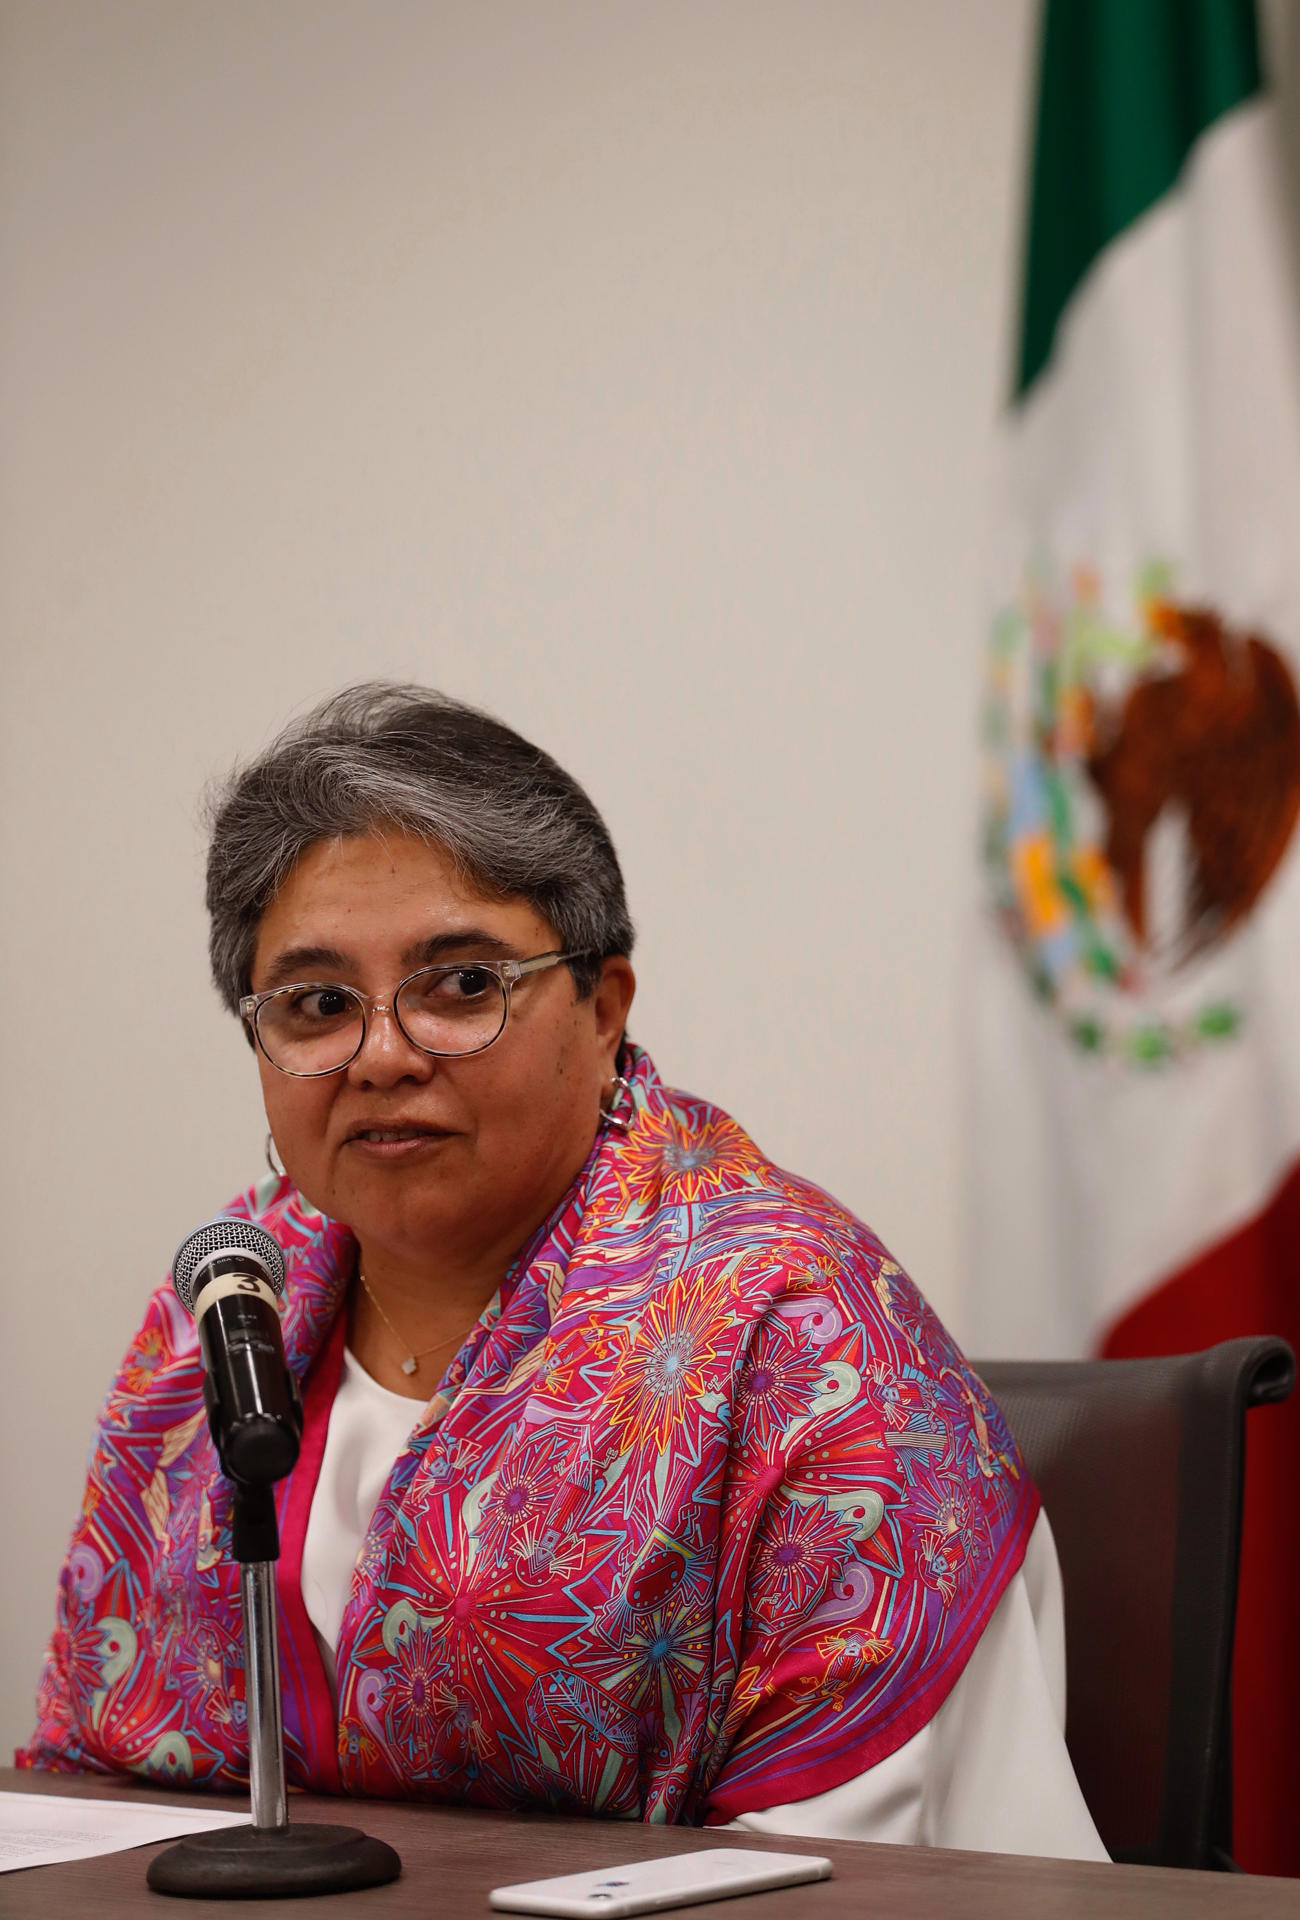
(1137, 980)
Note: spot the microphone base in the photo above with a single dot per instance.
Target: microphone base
(257, 1863)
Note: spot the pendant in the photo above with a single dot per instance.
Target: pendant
(411, 1365)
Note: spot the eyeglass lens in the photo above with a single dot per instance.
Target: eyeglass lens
(443, 1010)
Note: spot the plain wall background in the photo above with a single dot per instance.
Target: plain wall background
(626, 369)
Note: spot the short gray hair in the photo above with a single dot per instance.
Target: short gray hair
(382, 755)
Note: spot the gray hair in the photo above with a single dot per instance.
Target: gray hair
(382, 755)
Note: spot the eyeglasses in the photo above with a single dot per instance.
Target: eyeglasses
(318, 1027)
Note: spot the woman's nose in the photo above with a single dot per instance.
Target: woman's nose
(386, 1055)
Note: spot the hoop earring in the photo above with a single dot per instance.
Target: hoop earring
(620, 1121)
(273, 1158)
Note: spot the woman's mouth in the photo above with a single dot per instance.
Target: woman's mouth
(395, 1141)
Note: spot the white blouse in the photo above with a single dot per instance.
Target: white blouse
(369, 1426)
(989, 1772)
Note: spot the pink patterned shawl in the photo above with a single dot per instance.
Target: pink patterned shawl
(707, 1515)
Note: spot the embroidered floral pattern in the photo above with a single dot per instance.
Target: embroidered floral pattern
(707, 1514)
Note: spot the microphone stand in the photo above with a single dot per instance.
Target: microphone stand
(262, 1700)
(270, 1858)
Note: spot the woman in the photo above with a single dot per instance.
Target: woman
(636, 1478)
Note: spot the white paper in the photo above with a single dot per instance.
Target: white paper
(40, 1829)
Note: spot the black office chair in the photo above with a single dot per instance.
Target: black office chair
(1139, 1463)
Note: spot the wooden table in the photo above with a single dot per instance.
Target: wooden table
(452, 1857)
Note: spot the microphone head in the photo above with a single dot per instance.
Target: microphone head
(229, 1236)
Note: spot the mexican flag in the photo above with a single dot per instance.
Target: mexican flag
(1137, 978)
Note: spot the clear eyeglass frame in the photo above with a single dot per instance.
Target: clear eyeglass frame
(507, 973)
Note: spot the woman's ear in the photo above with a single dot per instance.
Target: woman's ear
(612, 1003)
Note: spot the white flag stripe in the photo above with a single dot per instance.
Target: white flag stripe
(1166, 428)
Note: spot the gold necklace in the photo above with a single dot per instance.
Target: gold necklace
(411, 1364)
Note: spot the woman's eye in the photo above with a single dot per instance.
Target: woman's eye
(449, 993)
(320, 1004)
(466, 983)
(457, 988)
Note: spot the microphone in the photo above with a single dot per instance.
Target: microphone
(229, 1275)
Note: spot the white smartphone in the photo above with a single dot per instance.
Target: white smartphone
(652, 1886)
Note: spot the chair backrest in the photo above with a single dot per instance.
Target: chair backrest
(1139, 1463)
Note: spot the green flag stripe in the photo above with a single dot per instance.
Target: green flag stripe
(1126, 88)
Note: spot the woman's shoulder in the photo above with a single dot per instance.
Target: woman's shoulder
(273, 1202)
(162, 1358)
(819, 1331)
(319, 1252)
(689, 1175)
(826, 1268)
(683, 1152)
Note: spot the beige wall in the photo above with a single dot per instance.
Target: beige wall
(626, 368)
